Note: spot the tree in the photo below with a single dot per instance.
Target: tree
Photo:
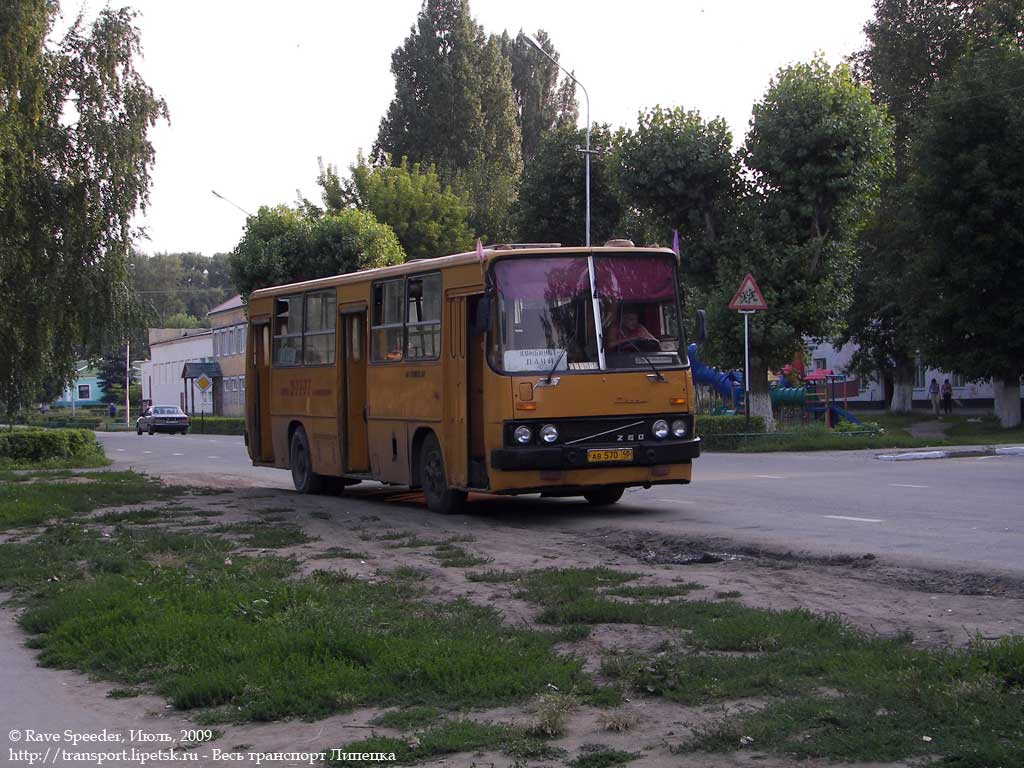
(283, 245)
(682, 170)
(427, 220)
(70, 182)
(552, 198)
(453, 108)
(541, 103)
(183, 320)
(817, 151)
(969, 190)
(111, 375)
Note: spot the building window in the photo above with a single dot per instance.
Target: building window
(958, 380)
(84, 392)
(318, 335)
(423, 305)
(288, 330)
(919, 376)
(820, 363)
(216, 344)
(386, 324)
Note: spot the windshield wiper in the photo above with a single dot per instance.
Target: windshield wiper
(555, 366)
(646, 359)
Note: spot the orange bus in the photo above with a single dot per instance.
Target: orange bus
(527, 369)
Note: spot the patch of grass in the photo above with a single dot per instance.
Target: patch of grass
(412, 542)
(408, 719)
(492, 576)
(137, 516)
(264, 536)
(237, 639)
(451, 737)
(407, 573)
(125, 693)
(551, 712)
(731, 594)
(34, 503)
(655, 590)
(603, 758)
(339, 553)
(451, 556)
(605, 696)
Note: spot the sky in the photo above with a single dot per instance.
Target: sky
(257, 91)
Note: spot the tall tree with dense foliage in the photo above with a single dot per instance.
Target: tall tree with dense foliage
(681, 169)
(541, 104)
(70, 183)
(912, 45)
(454, 109)
(284, 245)
(969, 188)
(552, 196)
(816, 153)
(429, 221)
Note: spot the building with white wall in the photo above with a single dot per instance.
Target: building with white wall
(871, 391)
(169, 350)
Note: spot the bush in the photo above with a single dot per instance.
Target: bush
(46, 444)
(217, 425)
(726, 433)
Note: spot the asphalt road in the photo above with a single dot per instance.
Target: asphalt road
(965, 513)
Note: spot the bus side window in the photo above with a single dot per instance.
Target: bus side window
(386, 323)
(423, 334)
(288, 330)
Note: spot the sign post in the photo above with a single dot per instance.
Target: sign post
(747, 301)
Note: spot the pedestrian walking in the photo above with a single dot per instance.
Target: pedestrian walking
(933, 395)
(947, 398)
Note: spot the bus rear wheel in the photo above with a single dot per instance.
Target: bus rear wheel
(434, 480)
(301, 462)
(605, 496)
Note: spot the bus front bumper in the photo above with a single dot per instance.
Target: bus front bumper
(645, 454)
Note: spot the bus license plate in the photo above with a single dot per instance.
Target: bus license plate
(615, 454)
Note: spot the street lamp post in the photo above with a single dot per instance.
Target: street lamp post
(586, 151)
(215, 193)
(590, 256)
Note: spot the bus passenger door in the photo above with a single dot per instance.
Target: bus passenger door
(356, 450)
(476, 354)
(261, 445)
(455, 392)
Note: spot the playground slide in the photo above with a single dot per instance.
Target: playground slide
(729, 384)
(838, 412)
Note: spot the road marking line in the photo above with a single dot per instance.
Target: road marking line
(147, 451)
(119, 449)
(982, 458)
(854, 519)
(676, 501)
(213, 457)
(906, 485)
(177, 454)
(771, 477)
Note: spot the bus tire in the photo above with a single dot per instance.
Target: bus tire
(434, 480)
(301, 462)
(604, 496)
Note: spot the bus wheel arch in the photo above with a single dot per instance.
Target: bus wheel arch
(431, 475)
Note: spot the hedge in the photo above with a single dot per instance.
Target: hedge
(726, 433)
(45, 444)
(217, 425)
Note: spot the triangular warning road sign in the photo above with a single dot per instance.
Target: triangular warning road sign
(748, 298)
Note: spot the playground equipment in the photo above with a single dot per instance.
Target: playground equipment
(819, 397)
(728, 384)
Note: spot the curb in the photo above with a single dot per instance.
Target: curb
(1011, 450)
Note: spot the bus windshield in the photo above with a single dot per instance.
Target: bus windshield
(546, 318)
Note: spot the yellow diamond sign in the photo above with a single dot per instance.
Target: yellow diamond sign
(204, 382)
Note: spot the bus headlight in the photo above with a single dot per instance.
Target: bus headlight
(660, 429)
(523, 435)
(679, 428)
(549, 433)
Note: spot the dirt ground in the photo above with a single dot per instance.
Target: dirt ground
(937, 608)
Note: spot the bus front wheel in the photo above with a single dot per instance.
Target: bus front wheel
(301, 461)
(605, 496)
(434, 480)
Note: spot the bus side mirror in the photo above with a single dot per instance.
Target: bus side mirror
(702, 325)
(482, 320)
